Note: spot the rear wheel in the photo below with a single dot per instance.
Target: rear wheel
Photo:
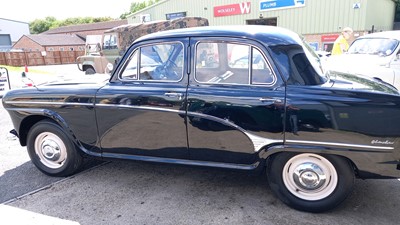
(51, 151)
(310, 182)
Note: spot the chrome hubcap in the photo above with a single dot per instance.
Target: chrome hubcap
(51, 150)
(310, 176)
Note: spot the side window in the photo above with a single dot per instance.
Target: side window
(232, 63)
(160, 62)
(130, 69)
(261, 71)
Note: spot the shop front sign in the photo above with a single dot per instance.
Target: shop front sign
(232, 9)
(266, 5)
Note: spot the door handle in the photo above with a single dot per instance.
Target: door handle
(174, 95)
(274, 100)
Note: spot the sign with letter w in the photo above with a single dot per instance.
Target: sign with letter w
(233, 9)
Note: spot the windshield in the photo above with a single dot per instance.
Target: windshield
(373, 46)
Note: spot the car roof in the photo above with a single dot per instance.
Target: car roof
(394, 34)
(269, 35)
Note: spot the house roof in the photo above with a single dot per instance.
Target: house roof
(85, 27)
(14, 20)
(56, 39)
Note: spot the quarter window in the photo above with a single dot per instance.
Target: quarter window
(231, 63)
(160, 62)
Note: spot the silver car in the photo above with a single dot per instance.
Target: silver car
(374, 55)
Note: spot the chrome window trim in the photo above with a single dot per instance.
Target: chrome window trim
(138, 66)
(275, 78)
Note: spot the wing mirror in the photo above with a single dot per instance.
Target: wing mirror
(109, 67)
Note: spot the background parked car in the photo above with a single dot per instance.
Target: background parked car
(375, 55)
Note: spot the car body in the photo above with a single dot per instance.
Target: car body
(311, 131)
(375, 55)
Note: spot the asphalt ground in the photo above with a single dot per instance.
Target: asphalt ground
(129, 192)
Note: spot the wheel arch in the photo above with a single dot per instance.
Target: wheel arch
(269, 153)
(88, 66)
(28, 122)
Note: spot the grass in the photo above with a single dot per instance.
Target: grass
(22, 68)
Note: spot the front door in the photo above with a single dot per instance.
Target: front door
(142, 112)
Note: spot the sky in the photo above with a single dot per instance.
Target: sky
(29, 10)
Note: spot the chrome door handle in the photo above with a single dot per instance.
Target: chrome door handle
(274, 100)
(174, 95)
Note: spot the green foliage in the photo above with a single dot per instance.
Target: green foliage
(41, 25)
(137, 6)
(38, 26)
(397, 13)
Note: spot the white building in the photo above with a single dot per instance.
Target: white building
(10, 32)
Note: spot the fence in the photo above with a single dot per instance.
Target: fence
(39, 58)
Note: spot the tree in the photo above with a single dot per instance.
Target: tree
(137, 6)
(38, 26)
(397, 13)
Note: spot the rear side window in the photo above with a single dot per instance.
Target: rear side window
(231, 63)
(158, 62)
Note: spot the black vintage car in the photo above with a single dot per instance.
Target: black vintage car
(249, 98)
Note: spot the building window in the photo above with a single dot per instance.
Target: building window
(61, 49)
(263, 21)
(71, 49)
(51, 49)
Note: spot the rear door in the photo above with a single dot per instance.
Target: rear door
(142, 112)
(235, 101)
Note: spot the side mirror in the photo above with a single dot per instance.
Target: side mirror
(109, 67)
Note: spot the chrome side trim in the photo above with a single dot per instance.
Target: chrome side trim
(181, 161)
(141, 108)
(339, 144)
(48, 103)
(258, 142)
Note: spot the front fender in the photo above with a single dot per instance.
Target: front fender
(23, 125)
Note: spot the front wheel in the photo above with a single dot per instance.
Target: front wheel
(90, 71)
(51, 151)
(310, 182)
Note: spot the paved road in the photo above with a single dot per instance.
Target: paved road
(122, 192)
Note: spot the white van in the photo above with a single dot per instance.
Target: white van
(375, 55)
